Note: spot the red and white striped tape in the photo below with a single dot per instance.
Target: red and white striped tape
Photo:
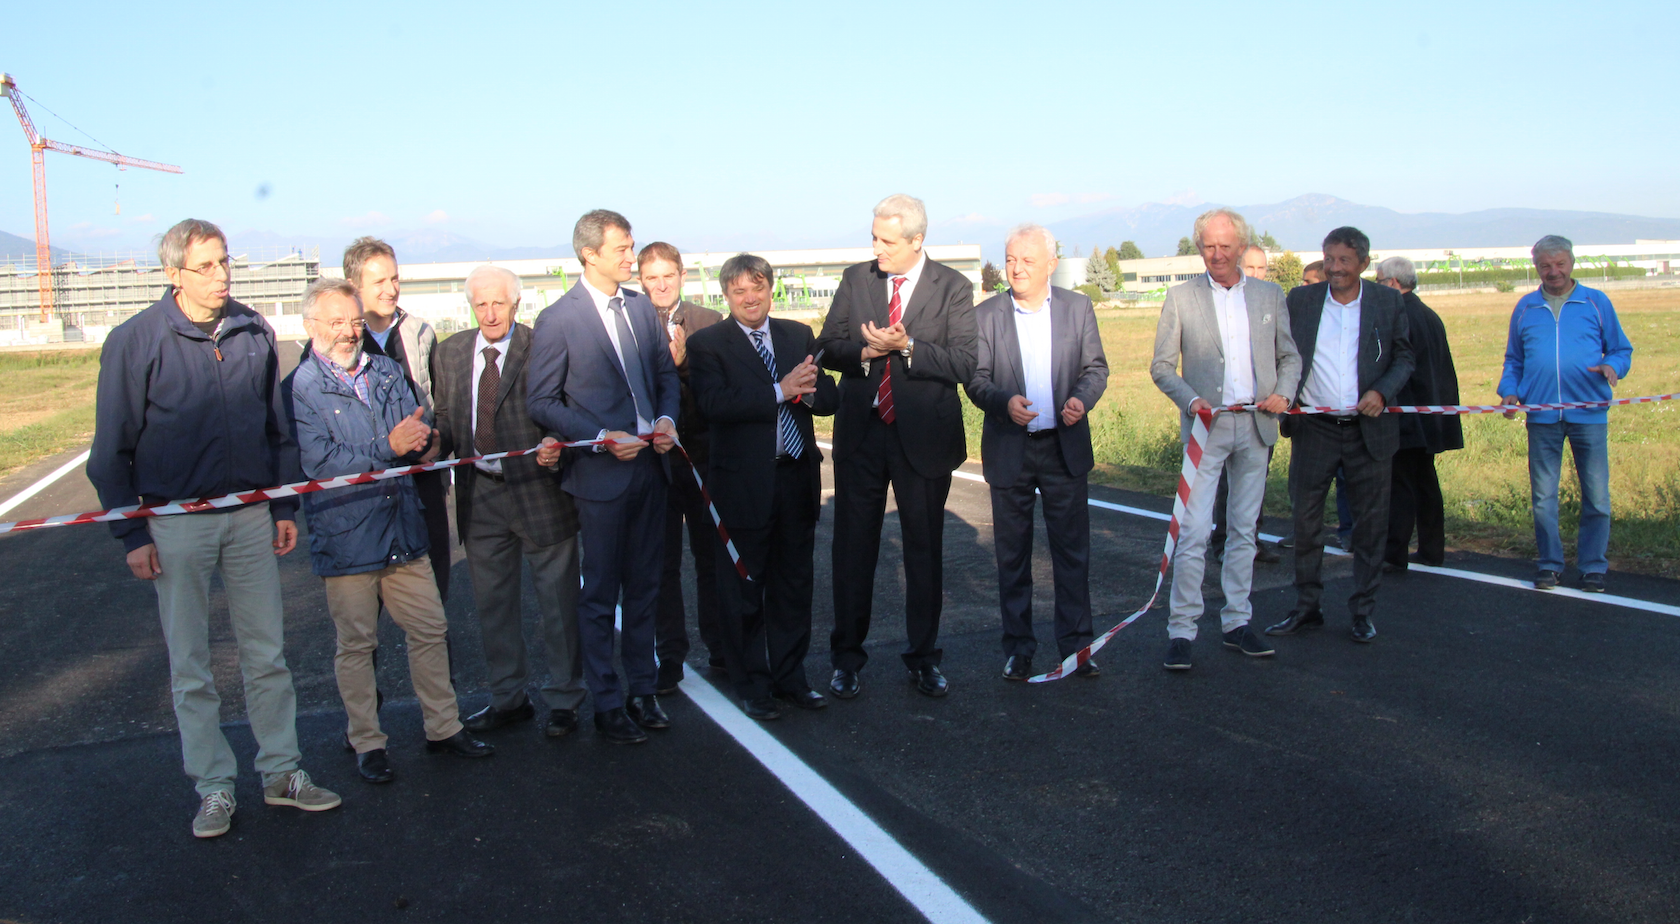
(1193, 459)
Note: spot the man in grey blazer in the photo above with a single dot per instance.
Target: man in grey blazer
(1040, 370)
(1223, 340)
(1356, 355)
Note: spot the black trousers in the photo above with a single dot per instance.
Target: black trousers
(1067, 520)
(1416, 501)
(1322, 444)
(860, 505)
(683, 503)
(622, 546)
(766, 621)
(433, 488)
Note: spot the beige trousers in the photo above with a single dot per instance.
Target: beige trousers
(411, 596)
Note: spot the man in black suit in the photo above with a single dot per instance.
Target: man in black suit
(757, 384)
(509, 511)
(1356, 354)
(601, 369)
(1040, 370)
(900, 332)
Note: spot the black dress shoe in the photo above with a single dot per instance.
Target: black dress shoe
(718, 664)
(1389, 567)
(617, 727)
(1297, 621)
(1363, 630)
(804, 699)
(762, 708)
(1265, 554)
(645, 711)
(374, 767)
(929, 681)
(1089, 670)
(348, 747)
(1178, 655)
(844, 684)
(460, 744)
(1018, 667)
(561, 722)
(491, 718)
(1417, 558)
(670, 674)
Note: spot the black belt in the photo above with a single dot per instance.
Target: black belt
(493, 476)
(1041, 434)
(785, 459)
(1341, 421)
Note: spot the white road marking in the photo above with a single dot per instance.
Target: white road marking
(937, 902)
(39, 486)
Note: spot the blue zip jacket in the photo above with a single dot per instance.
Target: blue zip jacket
(180, 415)
(365, 527)
(1549, 361)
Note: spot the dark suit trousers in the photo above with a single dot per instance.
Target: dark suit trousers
(1067, 519)
(683, 502)
(623, 548)
(766, 622)
(860, 505)
(1416, 501)
(498, 545)
(1321, 445)
(434, 498)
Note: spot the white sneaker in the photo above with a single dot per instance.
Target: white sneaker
(215, 815)
(297, 790)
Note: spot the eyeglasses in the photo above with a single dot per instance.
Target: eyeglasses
(225, 265)
(339, 327)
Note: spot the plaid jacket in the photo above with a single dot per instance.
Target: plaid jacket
(547, 511)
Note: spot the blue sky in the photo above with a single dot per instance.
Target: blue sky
(765, 125)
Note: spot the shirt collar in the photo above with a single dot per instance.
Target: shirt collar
(596, 295)
(482, 343)
(1242, 281)
(1330, 297)
(340, 371)
(1019, 309)
(914, 273)
(765, 327)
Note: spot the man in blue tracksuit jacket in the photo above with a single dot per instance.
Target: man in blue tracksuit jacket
(1565, 345)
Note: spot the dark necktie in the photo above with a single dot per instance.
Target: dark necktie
(884, 395)
(484, 423)
(792, 444)
(632, 359)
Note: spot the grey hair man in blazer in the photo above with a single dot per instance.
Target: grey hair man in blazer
(510, 511)
(1223, 340)
(1356, 355)
(1040, 369)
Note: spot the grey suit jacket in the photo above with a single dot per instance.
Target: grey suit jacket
(1078, 369)
(1385, 352)
(1187, 336)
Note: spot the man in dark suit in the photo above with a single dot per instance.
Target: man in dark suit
(1416, 500)
(601, 369)
(1356, 354)
(1040, 370)
(757, 383)
(900, 331)
(659, 271)
(511, 510)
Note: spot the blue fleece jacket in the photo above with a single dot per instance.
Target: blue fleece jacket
(1549, 361)
(180, 415)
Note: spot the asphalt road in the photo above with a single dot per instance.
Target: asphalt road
(1496, 755)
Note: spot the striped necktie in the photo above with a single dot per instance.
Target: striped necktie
(883, 394)
(792, 444)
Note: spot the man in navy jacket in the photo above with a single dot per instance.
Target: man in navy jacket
(188, 406)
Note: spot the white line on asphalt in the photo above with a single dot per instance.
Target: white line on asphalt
(937, 902)
(39, 486)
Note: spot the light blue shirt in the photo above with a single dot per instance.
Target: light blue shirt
(381, 336)
(1032, 329)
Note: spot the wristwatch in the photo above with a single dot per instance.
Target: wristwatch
(909, 348)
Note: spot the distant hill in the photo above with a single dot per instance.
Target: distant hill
(14, 249)
(1301, 223)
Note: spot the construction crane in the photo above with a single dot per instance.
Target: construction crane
(38, 146)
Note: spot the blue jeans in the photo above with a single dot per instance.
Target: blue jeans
(1590, 444)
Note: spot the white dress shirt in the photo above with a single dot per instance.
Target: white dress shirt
(910, 277)
(1333, 380)
(1032, 329)
(479, 345)
(1230, 308)
(601, 302)
(769, 343)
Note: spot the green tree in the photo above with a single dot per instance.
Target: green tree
(1129, 250)
(1268, 243)
(1285, 270)
(1090, 291)
(1099, 273)
(991, 280)
(1185, 248)
(1113, 256)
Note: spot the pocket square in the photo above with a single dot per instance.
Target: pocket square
(1265, 319)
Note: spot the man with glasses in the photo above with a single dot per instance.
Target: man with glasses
(188, 406)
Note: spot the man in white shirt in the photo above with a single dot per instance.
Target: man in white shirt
(1223, 342)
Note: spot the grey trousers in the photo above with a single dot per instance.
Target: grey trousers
(1235, 448)
(496, 541)
(239, 543)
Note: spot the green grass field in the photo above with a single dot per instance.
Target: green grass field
(46, 404)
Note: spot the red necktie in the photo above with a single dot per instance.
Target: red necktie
(883, 395)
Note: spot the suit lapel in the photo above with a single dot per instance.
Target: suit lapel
(923, 294)
(1210, 315)
(519, 347)
(878, 297)
(590, 321)
(1306, 341)
(747, 354)
(785, 348)
(1064, 352)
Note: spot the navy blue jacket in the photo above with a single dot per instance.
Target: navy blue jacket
(364, 527)
(181, 416)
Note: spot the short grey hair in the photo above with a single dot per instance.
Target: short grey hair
(1031, 230)
(513, 286)
(1400, 270)
(328, 285)
(174, 243)
(745, 264)
(1244, 235)
(591, 230)
(909, 211)
(1553, 243)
